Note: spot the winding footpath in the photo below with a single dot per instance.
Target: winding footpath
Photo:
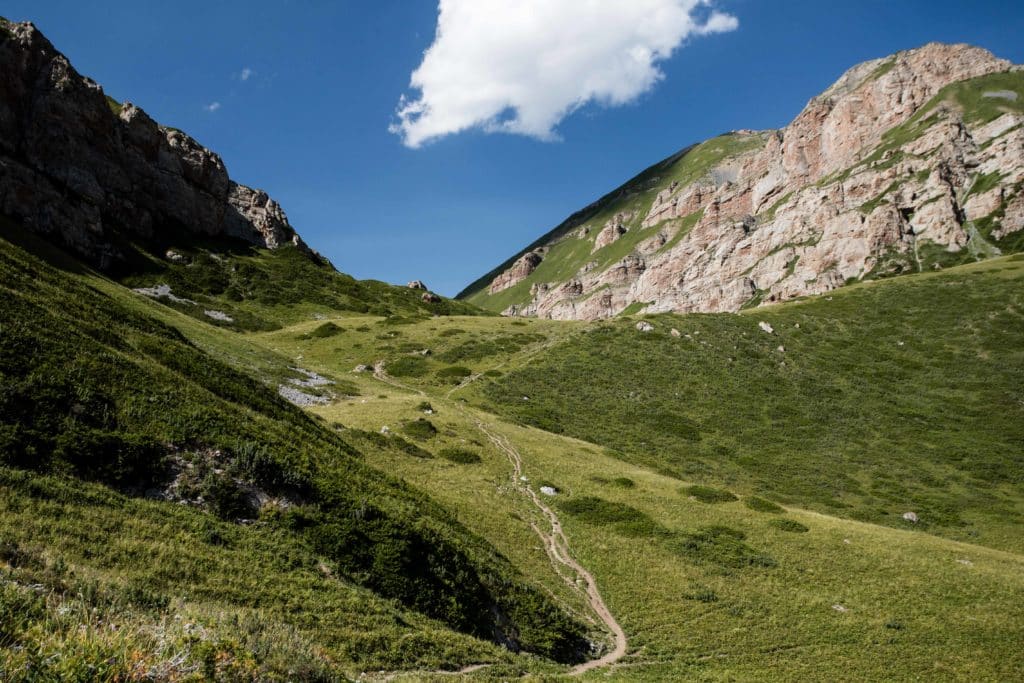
(556, 544)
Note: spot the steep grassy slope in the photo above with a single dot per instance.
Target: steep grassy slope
(102, 402)
(708, 581)
(260, 289)
(886, 398)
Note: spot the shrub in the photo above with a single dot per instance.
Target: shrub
(707, 494)
(453, 374)
(408, 366)
(424, 405)
(721, 546)
(600, 511)
(421, 429)
(790, 525)
(226, 498)
(462, 456)
(702, 594)
(121, 459)
(142, 594)
(403, 446)
(324, 331)
(762, 505)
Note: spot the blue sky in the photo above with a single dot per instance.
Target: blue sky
(310, 122)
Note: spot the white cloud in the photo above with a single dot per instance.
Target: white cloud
(521, 67)
(212, 107)
(245, 74)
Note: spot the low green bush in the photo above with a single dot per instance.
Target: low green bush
(453, 374)
(763, 505)
(707, 494)
(324, 331)
(790, 525)
(408, 366)
(462, 456)
(421, 429)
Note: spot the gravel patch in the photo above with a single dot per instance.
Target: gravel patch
(1001, 95)
(162, 292)
(219, 315)
(300, 398)
(312, 379)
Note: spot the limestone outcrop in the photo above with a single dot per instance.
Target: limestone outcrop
(905, 164)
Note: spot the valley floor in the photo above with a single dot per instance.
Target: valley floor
(702, 590)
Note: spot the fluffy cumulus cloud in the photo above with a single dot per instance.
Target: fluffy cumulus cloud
(212, 107)
(521, 67)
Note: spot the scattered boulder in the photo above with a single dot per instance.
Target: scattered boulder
(675, 333)
(363, 368)
(175, 257)
(417, 284)
(781, 349)
(840, 608)
(910, 517)
(548, 490)
(431, 298)
(644, 326)
(385, 430)
(766, 327)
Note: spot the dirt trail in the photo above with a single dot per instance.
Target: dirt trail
(556, 544)
(521, 357)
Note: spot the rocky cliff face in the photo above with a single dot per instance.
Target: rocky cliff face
(94, 174)
(906, 163)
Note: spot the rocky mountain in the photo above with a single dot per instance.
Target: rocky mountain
(907, 163)
(149, 205)
(94, 174)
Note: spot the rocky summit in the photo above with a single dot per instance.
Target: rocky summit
(95, 174)
(908, 163)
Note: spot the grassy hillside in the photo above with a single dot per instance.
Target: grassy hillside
(881, 399)
(261, 289)
(106, 410)
(710, 580)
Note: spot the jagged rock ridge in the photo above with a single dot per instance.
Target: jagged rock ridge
(94, 174)
(906, 163)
